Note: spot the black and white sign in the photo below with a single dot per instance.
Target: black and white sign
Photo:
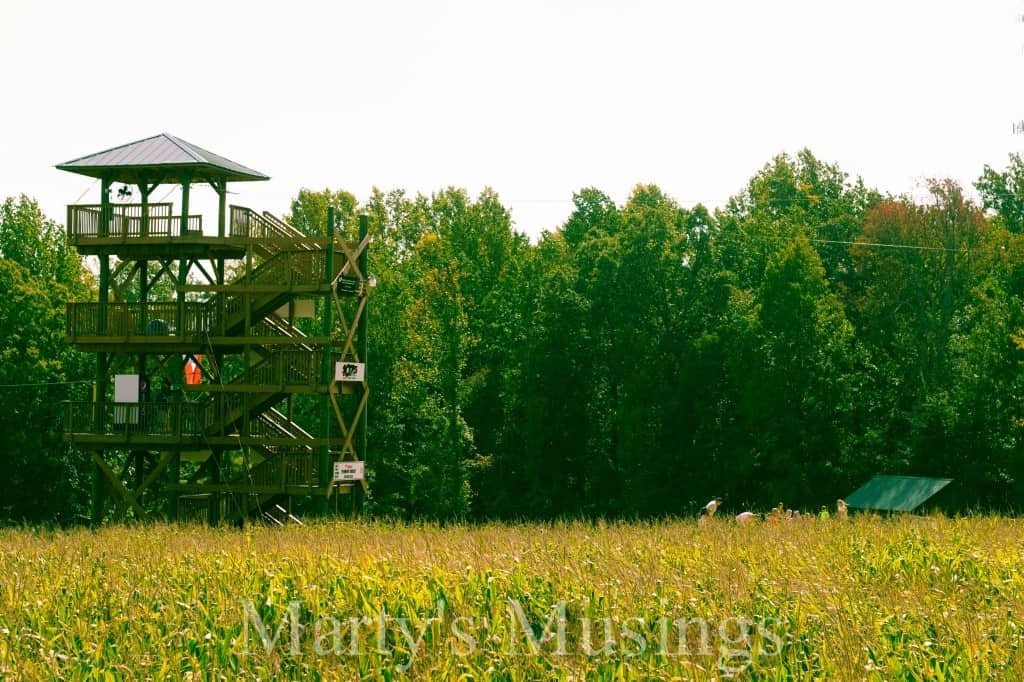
(349, 371)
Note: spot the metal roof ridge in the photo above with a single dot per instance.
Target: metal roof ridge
(184, 146)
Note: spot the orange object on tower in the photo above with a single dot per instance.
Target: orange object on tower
(193, 371)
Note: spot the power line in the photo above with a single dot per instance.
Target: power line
(86, 190)
(50, 383)
(888, 246)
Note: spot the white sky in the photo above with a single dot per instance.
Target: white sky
(534, 99)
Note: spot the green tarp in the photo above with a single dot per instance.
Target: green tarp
(896, 493)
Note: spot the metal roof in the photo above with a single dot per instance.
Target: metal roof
(896, 493)
(161, 159)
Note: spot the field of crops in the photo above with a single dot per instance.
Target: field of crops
(910, 598)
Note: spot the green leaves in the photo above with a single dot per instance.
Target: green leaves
(39, 273)
(43, 477)
(1003, 192)
(37, 243)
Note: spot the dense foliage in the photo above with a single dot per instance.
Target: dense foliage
(644, 357)
(39, 273)
(640, 358)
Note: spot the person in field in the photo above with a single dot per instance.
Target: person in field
(841, 510)
(746, 517)
(709, 509)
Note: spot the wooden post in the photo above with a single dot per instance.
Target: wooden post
(100, 395)
(213, 510)
(363, 349)
(222, 208)
(177, 364)
(144, 219)
(183, 262)
(327, 370)
(97, 490)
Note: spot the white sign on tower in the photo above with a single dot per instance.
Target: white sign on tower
(349, 371)
(348, 471)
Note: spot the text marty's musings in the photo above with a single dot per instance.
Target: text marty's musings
(735, 641)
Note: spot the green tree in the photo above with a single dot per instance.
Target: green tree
(39, 273)
(799, 395)
(1003, 192)
(309, 211)
(44, 478)
(802, 191)
(28, 237)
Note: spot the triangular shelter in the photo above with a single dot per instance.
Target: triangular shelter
(896, 493)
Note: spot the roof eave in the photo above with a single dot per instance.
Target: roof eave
(162, 173)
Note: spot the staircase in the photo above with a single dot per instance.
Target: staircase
(243, 412)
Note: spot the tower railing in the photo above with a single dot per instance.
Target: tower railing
(123, 320)
(127, 221)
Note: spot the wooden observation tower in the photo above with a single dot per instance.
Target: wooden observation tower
(204, 375)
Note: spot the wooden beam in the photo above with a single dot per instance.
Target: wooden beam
(155, 472)
(308, 289)
(211, 281)
(118, 485)
(355, 419)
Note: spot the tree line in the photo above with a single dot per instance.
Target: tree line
(639, 358)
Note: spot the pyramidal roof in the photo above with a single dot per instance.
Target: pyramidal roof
(160, 159)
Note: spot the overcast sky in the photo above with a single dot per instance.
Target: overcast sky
(534, 99)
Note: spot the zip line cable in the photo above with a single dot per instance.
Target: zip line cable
(86, 190)
(47, 383)
(888, 246)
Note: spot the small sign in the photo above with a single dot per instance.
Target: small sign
(127, 388)
(349, 285)
(348, 471)
(349, 371)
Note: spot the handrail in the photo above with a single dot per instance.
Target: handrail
(283, 328)
(128, 221)
(246, 222)
(136, 319)
(286, 468)
(157, 320)
(285, 425)
(286, 367)
(190, 420)
(283, 227)
(148, 418)
(301, 238)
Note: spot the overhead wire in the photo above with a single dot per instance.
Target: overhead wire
(889, 246)
(86, 190)
(47, 383)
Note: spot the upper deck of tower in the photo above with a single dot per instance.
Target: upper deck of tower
(147, 229)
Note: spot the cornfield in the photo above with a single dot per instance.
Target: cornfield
(904, 598)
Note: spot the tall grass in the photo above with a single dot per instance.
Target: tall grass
(908, 598)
